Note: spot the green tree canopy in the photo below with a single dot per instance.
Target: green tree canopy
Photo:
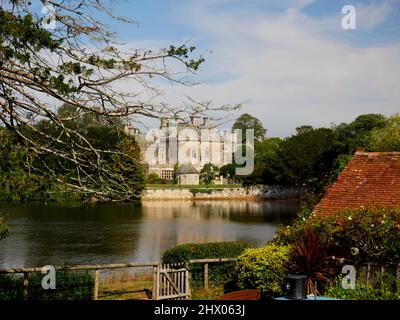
(386, 138)
(78, 66)
(208, 173)
(306, 158)
(247, 121)
(356, 134)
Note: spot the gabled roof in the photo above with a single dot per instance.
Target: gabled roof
(186, 169)
(370, 178)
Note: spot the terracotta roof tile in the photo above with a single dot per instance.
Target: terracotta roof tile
(369, 178)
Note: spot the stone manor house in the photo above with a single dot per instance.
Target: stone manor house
(183, 148)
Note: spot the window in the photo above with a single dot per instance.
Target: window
(167, 174)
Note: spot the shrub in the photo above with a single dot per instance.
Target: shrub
(373, 232)
(310, 257)
(263, 268)
(218, 272)
(386, 290)
(185, 252)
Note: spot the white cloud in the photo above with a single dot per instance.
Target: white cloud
(289, 72)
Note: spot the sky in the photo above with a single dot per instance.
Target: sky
(289, 62)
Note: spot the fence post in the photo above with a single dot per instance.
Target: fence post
(187, 282)
(206, 276)
(157, 289)
(96, 284)
(26, 284)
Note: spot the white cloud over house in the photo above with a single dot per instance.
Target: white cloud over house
(290, 68)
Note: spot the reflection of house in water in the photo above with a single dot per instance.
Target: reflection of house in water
(169, 223)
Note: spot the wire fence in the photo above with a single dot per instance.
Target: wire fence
(90, 282)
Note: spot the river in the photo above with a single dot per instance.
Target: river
(114, 233)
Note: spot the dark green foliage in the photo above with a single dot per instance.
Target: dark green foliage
(306, 158)
(208, 173)
(266, 163)
(3, 227)
(314, 157)
(185, 252)
(247, 121)
(349, 137)
(28, 177)
(70, 285)
(386, 289)
(218, 273)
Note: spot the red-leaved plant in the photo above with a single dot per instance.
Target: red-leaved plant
(311, 258)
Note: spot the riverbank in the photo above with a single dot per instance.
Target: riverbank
(224, 193)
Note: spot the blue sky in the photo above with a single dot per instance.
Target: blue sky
(288, 61)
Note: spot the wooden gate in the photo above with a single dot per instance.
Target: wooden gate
(171, 282)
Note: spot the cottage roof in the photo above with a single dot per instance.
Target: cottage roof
(186, 169)
(370, 178)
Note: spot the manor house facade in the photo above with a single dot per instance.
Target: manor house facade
(196, 142)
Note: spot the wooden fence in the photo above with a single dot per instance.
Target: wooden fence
(205, 263)
(95, 268)
(370, 270)
(170, 281)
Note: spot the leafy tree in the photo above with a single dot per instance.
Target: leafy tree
(208, 173)
(247, 121)
(79, 66)
(356, 134)
(306, 157)
(386, 138)
(228, 171)
(153, 178)
(266, 161)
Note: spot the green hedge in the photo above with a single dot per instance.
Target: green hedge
(219, 273)
(185, 252)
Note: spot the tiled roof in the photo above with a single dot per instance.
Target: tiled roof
(370, 178)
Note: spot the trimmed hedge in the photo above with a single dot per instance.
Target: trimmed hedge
(219, 273)
(185, 252)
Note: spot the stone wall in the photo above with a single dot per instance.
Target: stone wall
(256, 193)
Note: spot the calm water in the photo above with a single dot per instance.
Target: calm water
(43, 235)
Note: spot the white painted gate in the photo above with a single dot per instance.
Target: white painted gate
(171, 282)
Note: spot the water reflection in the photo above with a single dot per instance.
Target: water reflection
(120, 233)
